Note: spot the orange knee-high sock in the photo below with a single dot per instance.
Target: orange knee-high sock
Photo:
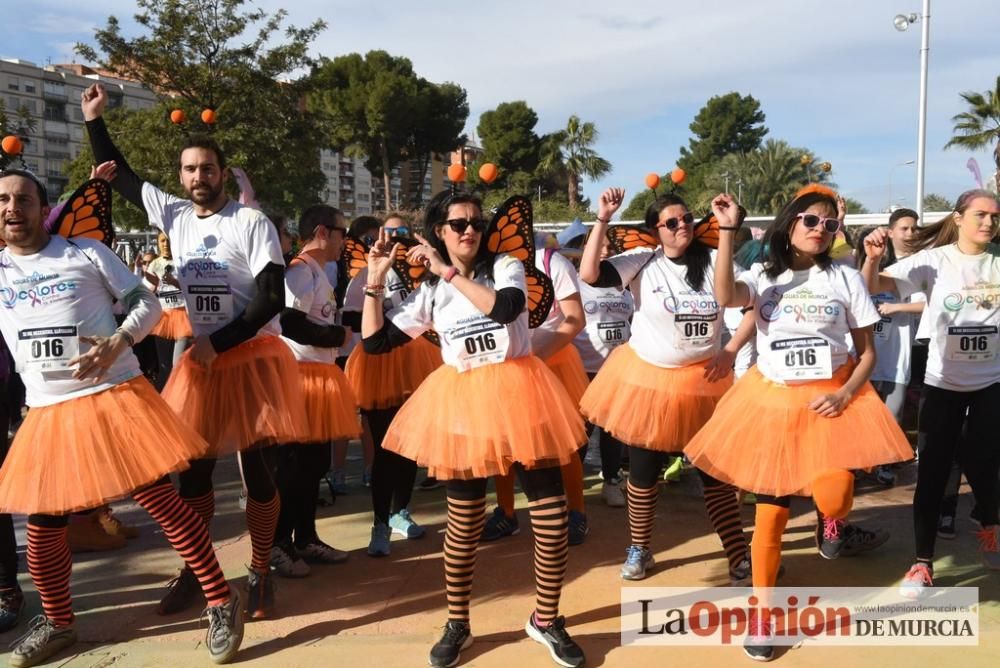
(833, 492)
(641, 512)
(765, 549)
(548, 524)
(49, 564)
(189, 537)
(262, 519)
(572, 477)
(461, 541)
(505, 492)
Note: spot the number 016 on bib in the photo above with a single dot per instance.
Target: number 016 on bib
(806, 358)
(47, 348)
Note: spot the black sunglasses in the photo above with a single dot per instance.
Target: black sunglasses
(400, 231)
(672, 223)
(811, 220)
(459, 225)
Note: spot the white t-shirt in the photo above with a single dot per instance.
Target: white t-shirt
(332, 273)
(565, 284)
(50, 299)
(469, 338)
(170, 296)
(608, 316)
(674, 324)
(962, 315)
(308, 290)
(217, 257)
(354, 299)
(894, 335)
(804, 319)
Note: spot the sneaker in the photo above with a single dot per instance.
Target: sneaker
(11, 607)
(885, 476)
(553, 635)
(578, 527)
(85, 534)
(260, 594)
(499, 525)
(182, 592)
(749, 499)
(428, 483)
(318, 552)
(613, 495)
(286, 562)
(916, 580)
(673, 471)
(338, 482)
(404, 525)
(989, 547)
(448, 651)
(225, 629)
(43, 640)
(242, 502)
(637, 560)
(740, 576)
(832, 540)
(378, 546)
(759, 643)
(114, 526)
(858, 540)
(946, 527)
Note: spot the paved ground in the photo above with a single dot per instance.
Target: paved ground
(388, 612)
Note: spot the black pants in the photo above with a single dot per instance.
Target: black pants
(392, 475)
(645, 467)
(536, 483)
(258, 474)
(942, 413)
(300, 469)
(8, 541)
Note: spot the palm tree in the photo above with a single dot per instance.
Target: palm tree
(979, 127)
(570, 150)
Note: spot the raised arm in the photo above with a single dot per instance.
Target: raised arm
(93, 101)
(592, 270)
(728, 292)
(875, 246)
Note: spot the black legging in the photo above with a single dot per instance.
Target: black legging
(258, 474)
(536, 483)
(301, 466)
(392, 475)
(941, 415)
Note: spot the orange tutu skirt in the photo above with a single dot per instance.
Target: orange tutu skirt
(763, 437)
(174, 324)
(331, 409)
(250, 397)
(478, 423)
(651, 407)
(568, 368)
(87, 451)
(386, 381)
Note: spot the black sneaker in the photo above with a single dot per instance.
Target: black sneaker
(564, 651)
(225, 629)
(447, 651)
(260, 594)
(11, 607)
(182, 592)
(832, 539)
(427, 484)
(858, 540)
(946, 527)
(759, 643)
(577, 527)
(42, 641)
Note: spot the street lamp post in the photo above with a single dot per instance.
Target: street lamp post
(725, 176)
(902, 22)
(739, 186)
(891, 171)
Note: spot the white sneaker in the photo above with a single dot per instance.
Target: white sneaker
(613, 495)
(287, 563)
(916, 581)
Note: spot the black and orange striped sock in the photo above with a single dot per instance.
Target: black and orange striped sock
(461, 540)
(505, 492)
(203, 505)
(548, 524)
(188, 535)
(262, 519)
(641, 512)
(723, 508)
(50, 564)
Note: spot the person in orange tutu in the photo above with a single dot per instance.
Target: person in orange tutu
(490, 407)
(382, 383)
(655, 391)
(552, 342)
(307, 326)
(800, 420)
(173, 332)
(85, 440)
(237, 386)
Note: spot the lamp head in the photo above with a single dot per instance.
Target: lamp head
(902, 21)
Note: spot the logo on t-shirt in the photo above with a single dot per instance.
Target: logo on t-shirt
(611, 304)
(982, 295)
(39, 295)
(691, 301)
(201, 264)
(803, 304)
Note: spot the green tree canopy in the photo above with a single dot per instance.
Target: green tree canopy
(935, 202)
(508, 137)
(570, 151)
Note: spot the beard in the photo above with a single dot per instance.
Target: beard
(205, 194)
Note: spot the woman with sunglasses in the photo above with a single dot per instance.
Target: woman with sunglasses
(800, 420)
(382, 383)
(490, 407)
(958, 270)
(657, 390)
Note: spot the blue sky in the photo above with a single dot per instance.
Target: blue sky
(833, 76)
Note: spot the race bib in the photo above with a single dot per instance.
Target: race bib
(171, 299)
(47, 348)
(479, 343)
(972, 343)
(694, 330)
(210, 304)
(883, 328)
(613, 334)
(808, 358)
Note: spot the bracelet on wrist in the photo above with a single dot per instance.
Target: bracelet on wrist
(602, 221)
(729, 229)
(129, 339)
(449, 274)
(375, 287)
